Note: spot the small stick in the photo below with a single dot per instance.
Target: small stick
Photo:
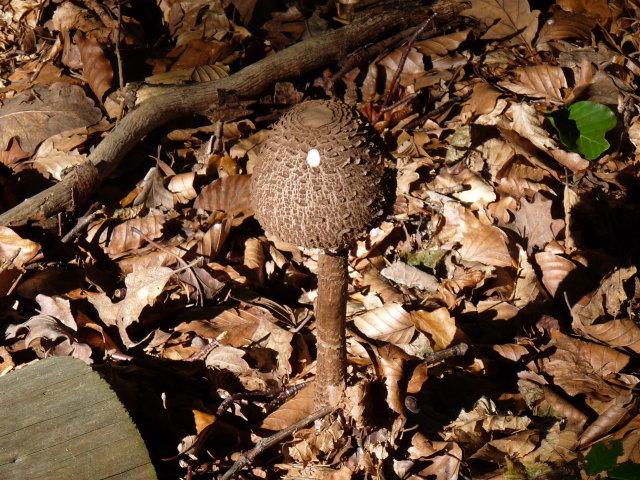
(456, 351)
(83, 222)
(403, 61)
(246, 459)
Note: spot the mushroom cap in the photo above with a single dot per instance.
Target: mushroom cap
(320, 180)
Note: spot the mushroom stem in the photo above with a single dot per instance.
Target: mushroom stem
(331, 309)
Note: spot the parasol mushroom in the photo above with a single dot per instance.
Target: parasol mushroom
(321, 182)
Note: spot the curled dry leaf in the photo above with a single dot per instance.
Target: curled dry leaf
(226, 357)
(391, 362)
(554, 270)
(254, 259)
(443, 458)
(619, 409)
(438, 324)
(210, 242)
(181, 186)
(153, 193)
(582, 367)
(144, 285)
(43, 111)
(566, 25)
(95, 66)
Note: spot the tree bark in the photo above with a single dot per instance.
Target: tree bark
(331, 310)
(252, 81)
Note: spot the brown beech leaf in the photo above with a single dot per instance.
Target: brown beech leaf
(235, 327)
(43, 111)
(291, 411)
(511, 351)
(391, 361)
(438, 324)
(483, 99)
(389, 323)
(11, 156)
(515, 445)
(485, 244)
(443, 459)
(540, 81)
(478, 242)
(543, 401)
(144, 285)
(581, 367)
(506, 18)
(443, 44)
(573, 161)
(598, 8)
(95, 66)
(527, 123)
(210, 242)
(557, 447)
(226, 357)
(181, 186)
(566, 25)
(409, 276)
(231, 195)
(554, 270)
(616, 333)
(122, 238)
(153, 193)
(608, 298)
(619, 409)
(534, 223)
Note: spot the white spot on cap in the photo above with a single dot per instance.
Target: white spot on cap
(313, 157)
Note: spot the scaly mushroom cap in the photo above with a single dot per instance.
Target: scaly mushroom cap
(320, 180)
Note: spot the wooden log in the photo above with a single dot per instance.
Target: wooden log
(61, 421)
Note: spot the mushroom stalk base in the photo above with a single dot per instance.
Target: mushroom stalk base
(331, 309)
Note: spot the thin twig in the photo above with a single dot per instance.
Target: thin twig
(456, 351)
(396, 77)
(82, 222)
(246, 459)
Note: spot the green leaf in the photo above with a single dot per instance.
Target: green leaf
(625, 471)
(582, 127)
(602, 457)
(593, 120)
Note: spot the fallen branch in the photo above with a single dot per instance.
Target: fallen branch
(246, 459)
(181, 101)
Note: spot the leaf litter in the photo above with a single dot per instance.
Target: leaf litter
(493, 318)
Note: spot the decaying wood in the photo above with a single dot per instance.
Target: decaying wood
(60, 420)
(250, 82)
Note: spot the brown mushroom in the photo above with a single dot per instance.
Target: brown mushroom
(321, 182)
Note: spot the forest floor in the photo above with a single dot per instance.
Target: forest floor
(492, 317)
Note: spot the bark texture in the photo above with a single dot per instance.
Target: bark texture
(331, 310)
